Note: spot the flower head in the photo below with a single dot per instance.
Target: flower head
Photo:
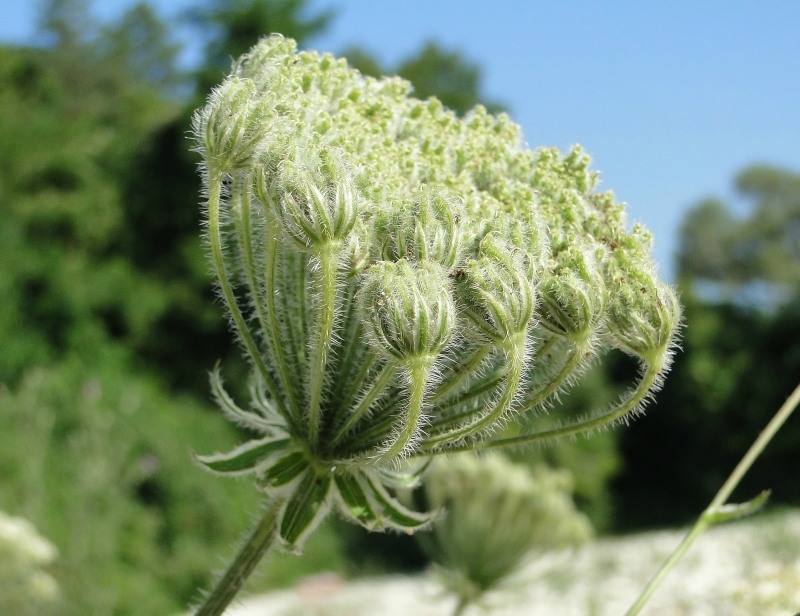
(498, 515)
(404, 281)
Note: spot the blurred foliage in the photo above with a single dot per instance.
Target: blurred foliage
(91, 457)
(747, 254)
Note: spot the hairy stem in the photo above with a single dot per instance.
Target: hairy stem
(461, 373)
(246, 560)
(627, 405)
(418, 372)
(376, 388)
(218, 261)
(555, 383)
(515, 354)
(325, 286)
(272, 328)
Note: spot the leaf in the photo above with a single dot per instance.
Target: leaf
(284, 470)
(355, 502)
(232, 412)
(246, 458)
(397, 516)
(403, 479)
(727, 513)
(305, 509)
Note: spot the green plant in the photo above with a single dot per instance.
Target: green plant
(405, 283)
(88, 455)
(496, 516)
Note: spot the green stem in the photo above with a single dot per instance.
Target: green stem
(515, 352)
(249, 555)
(325, 285)
(708, 517)
(617, 412)
(461, 373)
(273, 327)
(448, 410)
(461, 606)
(418, 372)
(554, 384)
(345, 397)
(353, 362)
(376, 388)
(215, 242)
(477, 388)
(244, 229)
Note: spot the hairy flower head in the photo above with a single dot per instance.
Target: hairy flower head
(404, 281)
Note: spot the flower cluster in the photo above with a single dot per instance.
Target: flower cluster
(405, 282)
(498, 515)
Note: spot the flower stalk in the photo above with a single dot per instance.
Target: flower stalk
(247, 558)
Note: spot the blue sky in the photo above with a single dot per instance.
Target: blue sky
(670, 99)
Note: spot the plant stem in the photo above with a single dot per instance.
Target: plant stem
(249, 555)
(515, 357)
(461, 606)
(376, 388)
(408, 426)
(708, 517)
(278, 345)
(628, 404)
(325, 284)
(226, 290)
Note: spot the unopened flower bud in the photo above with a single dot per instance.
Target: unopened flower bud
(230, 127)
(262, 62)
(572, 295)
(317, 204)
(527, 231)
(496, 291)
(407, 309)
(429, 226)
(644, 313)
(356, 250)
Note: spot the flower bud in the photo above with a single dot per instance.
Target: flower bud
(527, 231)
(430, 226)
(316, 202)
(407, 309)
(498, 296)
(644, 312)
(356, 250)
(500, 510)
(263, 60)
(230, 128)
(572, 294)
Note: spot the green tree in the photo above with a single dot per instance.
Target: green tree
(433, 71)
(235, 26)
(66, 23)
(448, 76)
(140, 49)
(754, 255)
